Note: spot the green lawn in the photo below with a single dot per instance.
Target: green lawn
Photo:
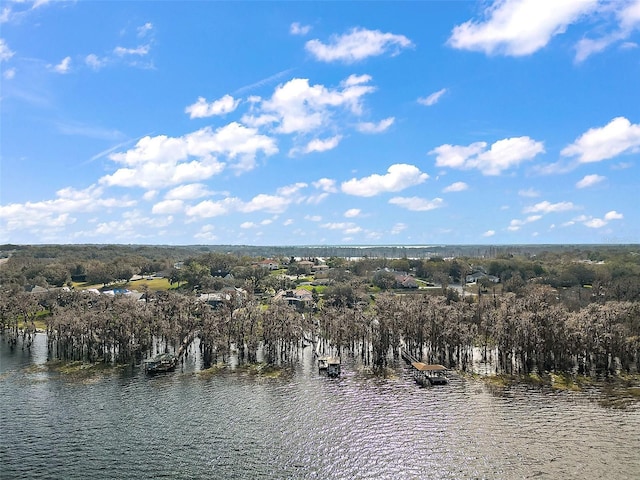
(319, 288)
(155, 284)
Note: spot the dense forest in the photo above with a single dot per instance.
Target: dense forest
(526, 308)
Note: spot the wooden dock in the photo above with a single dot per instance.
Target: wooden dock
(407, 357)
(186, 341)
(423, 373)
(332, 365)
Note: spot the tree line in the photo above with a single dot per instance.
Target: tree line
(534, 332)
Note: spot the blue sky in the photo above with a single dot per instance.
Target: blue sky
(298, 123)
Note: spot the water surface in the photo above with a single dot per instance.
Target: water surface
(182, 425)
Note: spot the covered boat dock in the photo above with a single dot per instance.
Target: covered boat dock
(330, 364)
(426, 374)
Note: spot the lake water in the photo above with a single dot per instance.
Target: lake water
(182, 425)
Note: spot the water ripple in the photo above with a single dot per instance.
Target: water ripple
(308, 426)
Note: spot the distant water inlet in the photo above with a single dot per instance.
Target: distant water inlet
(185, 424)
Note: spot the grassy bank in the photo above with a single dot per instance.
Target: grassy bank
(262, 370)
(615, 391)
(555, 381)
(76, 370)
(82, 368)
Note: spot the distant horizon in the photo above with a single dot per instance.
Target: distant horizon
(320, 123)
(355, 246)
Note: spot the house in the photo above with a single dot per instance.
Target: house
(299, 297)
(269, 264)
(305, 265)
(216, 299)
(404, 280)
(35, 289)
(79, 277)
(475, 276)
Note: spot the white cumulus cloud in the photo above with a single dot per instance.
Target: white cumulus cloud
(456, 187)
(299, 29)
(613, 215)
(502, 155)
(602, 143)
(222, 106)
(548, 207)
(352, 212)
(160, 161)
(417, 204)
(590, 180)
(357, 45)
(293, 189)
(627, 15)
(519, 27)
(370, 127)
(210, 208)
(326, 185)
(63, 67)
(168, 207)
(319, 145)
(347, 228)
(144, 30)
(398, 177)
(188, 192)
(592, 222)
(95, 62)
(56, 213)
(297, 107)
(5, 15)
(268, 203)
(516, 224)
(5, 52)
(140, 50)
(595, 223)
(207, 233)
(433, 98)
